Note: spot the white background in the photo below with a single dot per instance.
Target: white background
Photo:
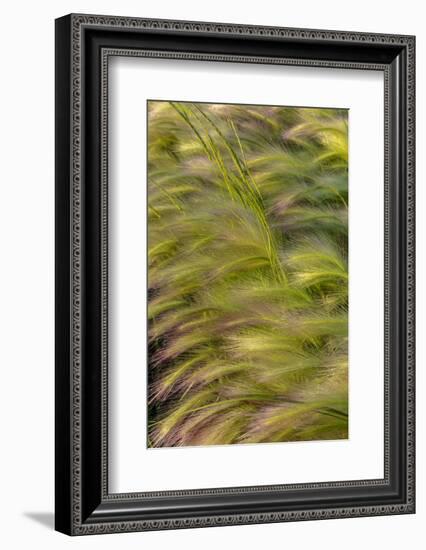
(26, 301)
(132, 81)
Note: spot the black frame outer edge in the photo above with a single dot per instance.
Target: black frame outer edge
(62, 275)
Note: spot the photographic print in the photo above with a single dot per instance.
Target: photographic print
(247, 274)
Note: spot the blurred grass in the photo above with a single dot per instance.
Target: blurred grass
(248, 277)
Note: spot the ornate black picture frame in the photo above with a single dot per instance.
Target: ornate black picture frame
(84, 44)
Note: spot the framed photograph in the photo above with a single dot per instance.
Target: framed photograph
(234, 274)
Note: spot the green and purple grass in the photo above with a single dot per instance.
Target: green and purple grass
(247, 274)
